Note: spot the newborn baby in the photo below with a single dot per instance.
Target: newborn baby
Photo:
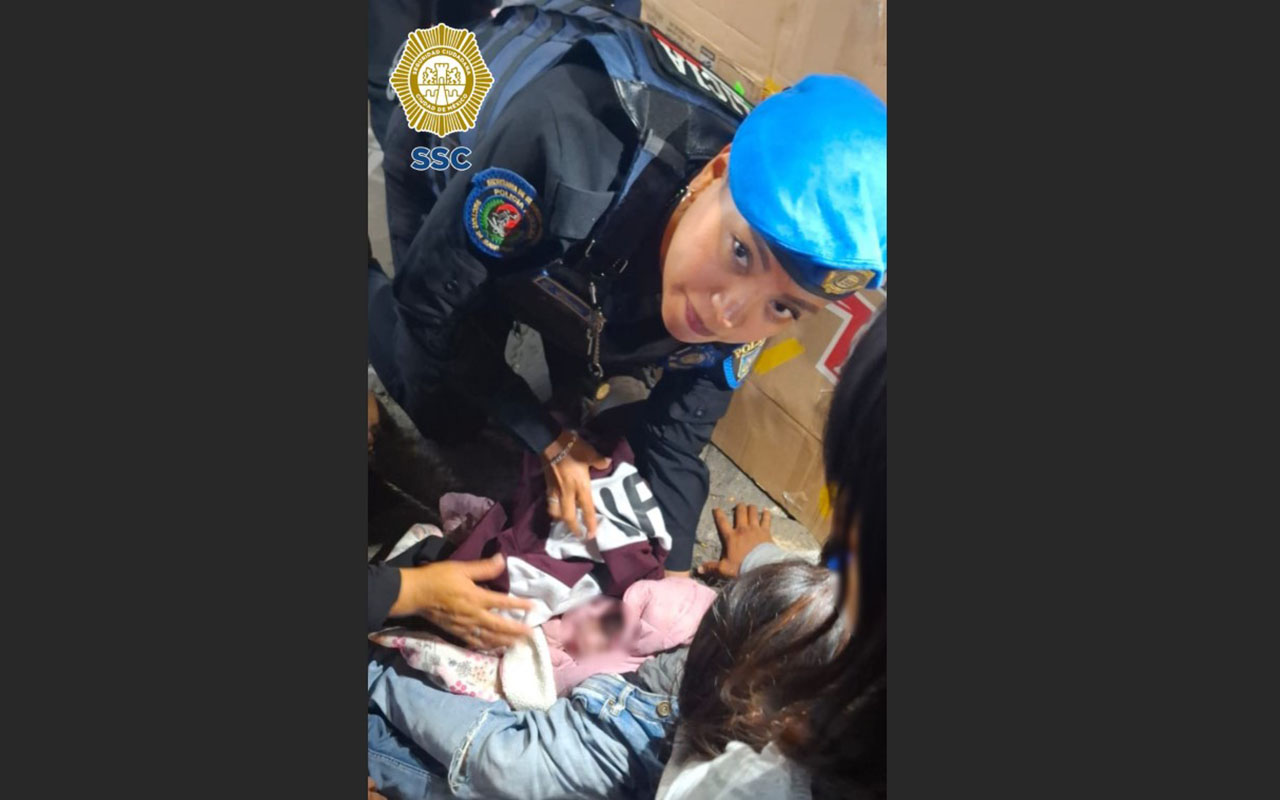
(608, 635)
(603, 635)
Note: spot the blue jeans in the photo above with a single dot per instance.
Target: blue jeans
(606, 740)
(399, 769)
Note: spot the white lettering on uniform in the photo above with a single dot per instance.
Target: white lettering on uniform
(701, 73)
(712, 83)
(676, 60)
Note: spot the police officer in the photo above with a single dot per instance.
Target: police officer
(750, 232)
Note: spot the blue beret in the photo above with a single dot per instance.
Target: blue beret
(808, 172)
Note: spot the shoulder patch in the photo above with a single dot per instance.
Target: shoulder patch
(737, 365)
(673, 61)
(501, 214)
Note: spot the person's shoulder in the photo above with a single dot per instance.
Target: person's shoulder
(576, 97)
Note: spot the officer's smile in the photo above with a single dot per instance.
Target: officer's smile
(694, 321)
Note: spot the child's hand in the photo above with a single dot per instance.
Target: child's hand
(749, 529)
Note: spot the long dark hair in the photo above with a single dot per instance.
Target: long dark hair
(773, 659)
(751, 651)
(842, 741)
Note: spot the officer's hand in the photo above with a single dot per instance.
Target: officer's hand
(446, 594)
(750, 528)
(569, 482)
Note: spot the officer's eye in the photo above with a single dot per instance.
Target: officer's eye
(783, 311)
(741, 253)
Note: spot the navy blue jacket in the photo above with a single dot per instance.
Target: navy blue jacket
(568, 138)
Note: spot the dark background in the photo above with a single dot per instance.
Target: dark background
(1078, 418)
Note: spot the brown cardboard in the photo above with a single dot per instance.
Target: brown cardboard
(769, 45)
(779, 455)
(773, 429)
(709, 49)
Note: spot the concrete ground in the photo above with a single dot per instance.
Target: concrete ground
(424, 470)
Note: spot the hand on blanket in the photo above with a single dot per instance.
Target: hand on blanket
(749, 529)
(446, 594)
(569, 481)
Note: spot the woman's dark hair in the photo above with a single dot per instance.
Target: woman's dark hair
(770, 660)
(751, 647)
(842, 740)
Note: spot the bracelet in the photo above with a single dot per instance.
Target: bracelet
(558, 457)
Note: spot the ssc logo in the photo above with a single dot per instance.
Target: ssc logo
(441, 80)
(501, 213)
(440, 158)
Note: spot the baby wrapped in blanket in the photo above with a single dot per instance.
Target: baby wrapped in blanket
(603, 635)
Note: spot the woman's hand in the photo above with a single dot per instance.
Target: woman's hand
(373, 791)
(750, 528)
(446, 594)
(569, 481)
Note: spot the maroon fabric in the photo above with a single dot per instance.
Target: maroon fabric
(530, 525)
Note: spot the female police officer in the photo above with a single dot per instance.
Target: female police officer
(720, 241)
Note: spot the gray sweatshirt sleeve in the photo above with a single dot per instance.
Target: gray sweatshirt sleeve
(662, 673)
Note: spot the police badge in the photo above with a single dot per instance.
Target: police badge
(441, 80)
(846, 281)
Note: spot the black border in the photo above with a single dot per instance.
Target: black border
(186, 327)
(189, 321)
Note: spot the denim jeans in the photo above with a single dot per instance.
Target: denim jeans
(606, 740)
(398, 768)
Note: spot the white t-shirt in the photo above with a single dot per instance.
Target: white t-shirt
(739, 773)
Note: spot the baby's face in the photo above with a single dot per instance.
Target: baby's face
(595, 633)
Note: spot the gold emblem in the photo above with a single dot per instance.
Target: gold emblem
(441, 80)
(846, 281)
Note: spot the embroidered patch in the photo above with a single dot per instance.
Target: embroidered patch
(501, 214)
(846, 281)
(738, 364)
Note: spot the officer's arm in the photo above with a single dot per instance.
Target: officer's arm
(384, 588)
(445, 279)
(676, 425)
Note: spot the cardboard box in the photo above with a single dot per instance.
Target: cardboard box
(770, 45)
(773, 429)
